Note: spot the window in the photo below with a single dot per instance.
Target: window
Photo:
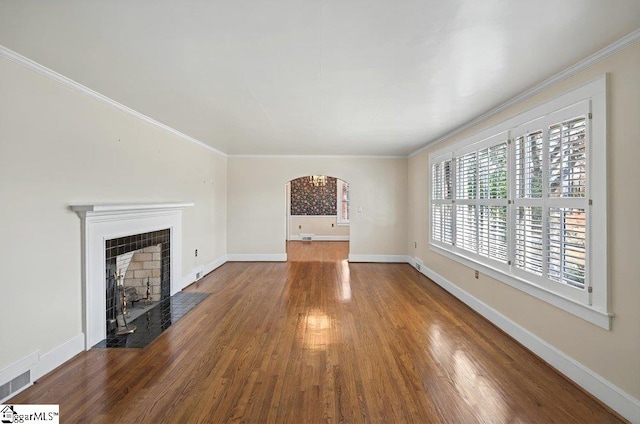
(519, 202)
(343, 203)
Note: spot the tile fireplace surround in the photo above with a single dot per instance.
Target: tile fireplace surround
(104, 222)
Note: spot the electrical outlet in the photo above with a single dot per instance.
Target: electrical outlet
(299, 227)
(477, 274)
(196, 252)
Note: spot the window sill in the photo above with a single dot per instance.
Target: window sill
(594, 316)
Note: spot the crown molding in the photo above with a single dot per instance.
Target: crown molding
(585, 63)
(68, 82)
(318, 156)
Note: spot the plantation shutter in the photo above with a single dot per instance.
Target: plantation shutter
(492, 228)
(441, 200)
(567, 242)
(551, 202)
(567, 233)
(528, 157)
(528, 205)
(567, 158)
(530, 239)
(493, 187)
(466, 187)
(481, 199)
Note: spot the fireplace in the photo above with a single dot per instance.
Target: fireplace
(144, 261)
(121, 227)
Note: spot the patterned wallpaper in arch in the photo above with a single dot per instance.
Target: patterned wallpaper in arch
(307, 199)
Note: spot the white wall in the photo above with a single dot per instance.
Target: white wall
(257, 202)
(60, 147)
(615, 354)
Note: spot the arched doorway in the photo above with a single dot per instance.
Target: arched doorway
(318, 218)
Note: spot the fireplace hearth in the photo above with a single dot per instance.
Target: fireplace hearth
(154, 321)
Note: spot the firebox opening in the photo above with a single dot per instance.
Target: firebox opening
(138, 277)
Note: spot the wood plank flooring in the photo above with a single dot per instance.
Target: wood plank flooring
(314, 251)
(318, 341)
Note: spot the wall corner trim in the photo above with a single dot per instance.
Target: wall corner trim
(613, 396)
(68, 82)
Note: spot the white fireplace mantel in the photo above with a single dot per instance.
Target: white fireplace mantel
(102, 209)
(102, 222)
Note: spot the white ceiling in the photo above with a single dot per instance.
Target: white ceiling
(312, 77)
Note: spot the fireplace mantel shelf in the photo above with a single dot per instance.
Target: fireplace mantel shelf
(127, 207)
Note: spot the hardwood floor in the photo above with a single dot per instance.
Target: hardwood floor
(314, 251)
(313, 341)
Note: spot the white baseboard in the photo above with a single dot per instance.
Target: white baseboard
(379, 258)
(316, 237)
(257, 257)
(215, 264)
(19, 367)
(204, 269)
(616, 398)
(40, 365)
(59, 355)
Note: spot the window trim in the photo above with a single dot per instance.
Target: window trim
(598, 311)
